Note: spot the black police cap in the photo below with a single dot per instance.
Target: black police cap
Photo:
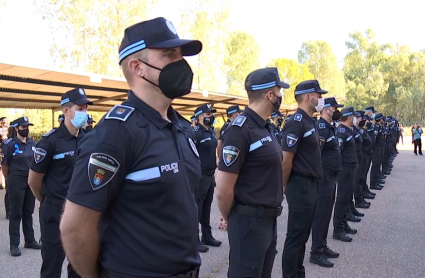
(347, 111)
(61, 117)
(370, 109)
(331, 102)
(359, 113)
(263, 79)
(76, 96)
(158, 33)
(192, 118)
(233, 109)
(379, 117)
(309, 86)
(90, 119)
(204, 109)
(22, 121)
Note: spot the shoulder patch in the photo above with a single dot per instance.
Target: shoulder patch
(196, 128)
(47, 134)
(361, 131)
(119, 112)
(7, 141)
(340, 141)
(239, 121)
(291, 140)
(322, 125)
(101, 169)
(321, 140)
(341, 129)
(298, 117)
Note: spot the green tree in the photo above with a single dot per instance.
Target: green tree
(243, 58)
(292, 73)
(207, 21)
(88, 32)
(322, 63)
(362, 69)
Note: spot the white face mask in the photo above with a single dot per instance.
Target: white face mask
(320, 104)
(354, 121)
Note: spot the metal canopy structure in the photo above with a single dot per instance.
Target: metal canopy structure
(34, 88)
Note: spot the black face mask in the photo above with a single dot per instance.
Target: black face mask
(23, 132)
(88, 128)
(362, 123)
(175, 79)
(369, 125)
(277, 103)
(279, 122)
(336, 115)
(209, 120)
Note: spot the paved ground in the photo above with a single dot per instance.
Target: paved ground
(389, 244)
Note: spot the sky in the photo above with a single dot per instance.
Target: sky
(279, 26)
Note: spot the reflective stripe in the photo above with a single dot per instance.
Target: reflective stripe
(263, 86)
(347, 114)
(255, 145)
(304, 91)
(144, 175)
(103, 165)
(64, 101)
(59, 156)
(349, 138)
(357, 136)
(198, 113)
(308, 133)
(330, 139)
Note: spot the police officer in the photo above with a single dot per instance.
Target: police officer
(18, 153)
(302, 169)
(358, 132)
(50, 175)
(366, 153)
(137, 171)
(232, 112)
(249, 181)
(370, 113)
(346, 176)
(193, 122)
(331, 162)
(375, 172)
(60, 119)
(206, 144)
(277, 125)
(89, 125)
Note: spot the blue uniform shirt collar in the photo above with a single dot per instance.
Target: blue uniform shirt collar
(150, 113)
(65, 133)
(260, 121)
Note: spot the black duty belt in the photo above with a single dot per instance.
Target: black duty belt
(110, 274)
(332, 173)
(258, 211)
(296, 174)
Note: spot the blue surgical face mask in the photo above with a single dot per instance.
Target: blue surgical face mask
(373, 116)
(80, 119)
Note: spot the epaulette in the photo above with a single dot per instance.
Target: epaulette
(119, 112)
(196, 128)
(341, 129)
(239, 121)
(47, 134)
(322, 125)
(298, 117)
(362, 131)
(7, 141)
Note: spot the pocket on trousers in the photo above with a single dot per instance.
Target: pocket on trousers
(49, 223)
(241, 269)
(245, 224)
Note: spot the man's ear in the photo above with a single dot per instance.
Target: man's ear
(136, 68)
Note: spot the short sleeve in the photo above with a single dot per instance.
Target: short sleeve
(234, 150)
(342, 139)
(197, 136)
(292, 134)
(104, 157)
(43, 156)
(323, 137)
(7, 154)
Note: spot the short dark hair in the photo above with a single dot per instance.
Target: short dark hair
(344, 118)
(68, 105)
(254, 96)
(299, 98)
(2, 118)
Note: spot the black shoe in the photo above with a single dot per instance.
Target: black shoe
(383, 176)
(330, 253)
(352, 218)
(321, 260)
(366, 202)
(349, 230)
(14, 251)
(381, 181)
(211, 241)
(376, 187)
(357, 213)
(202, 248)
(33, 245)
(370, 192)
(369, 196)
(388, 173)
(342, 237)
(362, 205)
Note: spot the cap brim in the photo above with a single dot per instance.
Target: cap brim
(282, 85)
(321, 92)
(26, 124)
(213, 110)
(189, 47)
(82, 101)
(338, 105)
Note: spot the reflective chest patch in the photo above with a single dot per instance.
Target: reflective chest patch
(193, 147)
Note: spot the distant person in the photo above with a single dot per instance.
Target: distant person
(89, 125)
(61, 118)
(417, 141)
(3, 134)
(401, 133)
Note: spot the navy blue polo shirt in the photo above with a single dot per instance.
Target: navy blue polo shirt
(17, 154)
(55, 155)
(206, 144)
(141, 171)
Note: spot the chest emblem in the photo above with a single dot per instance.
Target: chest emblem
(230, 154)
